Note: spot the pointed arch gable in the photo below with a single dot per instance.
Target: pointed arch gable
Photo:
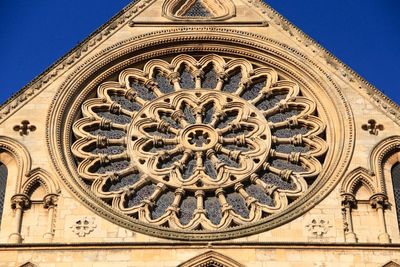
(42, 177)
(211, 258)
(359, 176)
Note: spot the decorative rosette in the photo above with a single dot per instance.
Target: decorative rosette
(199, 144)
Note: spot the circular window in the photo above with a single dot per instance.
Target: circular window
(199, 144)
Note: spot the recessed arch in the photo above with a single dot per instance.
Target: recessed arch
(16, 158)
(359, 177)
(380, 154)
(42, 178)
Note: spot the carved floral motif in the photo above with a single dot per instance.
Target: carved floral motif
(199, 144)
(318, 227)
(83, 226)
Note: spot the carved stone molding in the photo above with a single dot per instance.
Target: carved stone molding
(73, 84)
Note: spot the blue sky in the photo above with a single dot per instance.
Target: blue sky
(362, 33)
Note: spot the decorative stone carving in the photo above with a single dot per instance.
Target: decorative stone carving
(199, 144)
(318, 227)
(209, 10)
(20, 201)
(379, 201)
(84, 226)
(373, 127)
(25, 128)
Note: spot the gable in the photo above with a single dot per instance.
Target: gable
(292, 109)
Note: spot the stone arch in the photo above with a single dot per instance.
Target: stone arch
(211, 259)
(384, 157)
(41, 177)
(380, 155)
(357, 177)
(17, 161)
(16, 158)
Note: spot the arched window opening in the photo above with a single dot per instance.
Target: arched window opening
(396, 188)
(3, 182)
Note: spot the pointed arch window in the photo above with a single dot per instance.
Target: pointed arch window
(3, 182)
(396, 188)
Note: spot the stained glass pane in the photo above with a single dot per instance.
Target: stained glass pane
(3, 181)
(198, 10)
(396, 188)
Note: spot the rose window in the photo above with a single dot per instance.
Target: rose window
(199, 144)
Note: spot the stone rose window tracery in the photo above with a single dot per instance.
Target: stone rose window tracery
(199, 144)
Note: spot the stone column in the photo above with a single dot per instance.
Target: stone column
(19, 203)
(348, 204)
(380, 203)
(50, 202)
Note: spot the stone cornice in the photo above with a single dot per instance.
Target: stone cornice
(198, 245)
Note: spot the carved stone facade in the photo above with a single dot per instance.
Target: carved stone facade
(175, 139)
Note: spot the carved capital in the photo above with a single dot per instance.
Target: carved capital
(50, 201)
(348, 201)
(20, 201)
(379, 201)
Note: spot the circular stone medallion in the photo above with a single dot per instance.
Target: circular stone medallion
(199, 144)
(221, 137)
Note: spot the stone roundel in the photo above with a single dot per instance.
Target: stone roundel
(199, 139)
(199, 144)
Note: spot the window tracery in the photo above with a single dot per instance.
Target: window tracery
(199, 144)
